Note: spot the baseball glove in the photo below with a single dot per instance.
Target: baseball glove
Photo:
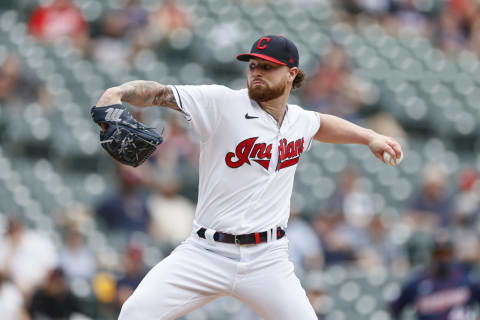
(124, 138)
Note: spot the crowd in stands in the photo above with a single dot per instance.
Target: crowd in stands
(49, 278)
(452, 25)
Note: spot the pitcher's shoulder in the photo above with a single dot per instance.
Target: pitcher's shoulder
(295, 108)
(299, 111)
(228, 91)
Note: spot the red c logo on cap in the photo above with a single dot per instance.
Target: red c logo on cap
(261, 46)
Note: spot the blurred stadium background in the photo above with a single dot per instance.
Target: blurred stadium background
(72, 220)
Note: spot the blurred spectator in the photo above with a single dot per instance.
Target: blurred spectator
(172, 214)
(333, 89)
(467, 246)
(451, 37)
(432, 206)
(430, 209)
(356, 205)
(358, 208)
(123, 35)
(452, 25)
(466, 203)
(113, 48)
(304, 249)
(126, 210)
(341, 227)
(11, 301)
(345, 185)
(16, 87)
(340, 241)
(26, 256)
(466, 210)
(133, 272)
(54, 300)
(169, 17)
(105, 289)
(76, 258)
(464, 15)
(134, 16)
(440, 291)
(59, 19)
(381, 250)
(410, 18)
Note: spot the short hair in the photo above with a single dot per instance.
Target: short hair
(299, 79)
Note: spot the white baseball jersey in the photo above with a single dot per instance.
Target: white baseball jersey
(247, 162)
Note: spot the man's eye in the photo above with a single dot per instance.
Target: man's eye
(252, 67)
(267, 67)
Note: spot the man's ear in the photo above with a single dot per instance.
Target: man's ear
(292, 73)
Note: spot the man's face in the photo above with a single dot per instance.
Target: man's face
(266, 80)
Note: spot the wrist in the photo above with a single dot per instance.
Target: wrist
(110, 96)
(369, 136)
(115, 94)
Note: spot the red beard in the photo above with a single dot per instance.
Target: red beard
(265, 93)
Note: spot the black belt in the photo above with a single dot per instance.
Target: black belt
(252, 238)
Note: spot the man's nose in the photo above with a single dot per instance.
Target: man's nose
(256, 72)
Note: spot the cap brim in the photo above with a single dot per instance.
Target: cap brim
(247, 56)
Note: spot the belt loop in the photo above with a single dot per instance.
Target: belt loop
(269, 235)
(274, 233)
(209, 236)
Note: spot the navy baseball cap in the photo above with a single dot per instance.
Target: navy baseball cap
(277, 49)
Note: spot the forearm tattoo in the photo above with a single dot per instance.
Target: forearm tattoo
(148, 93)
(166, 98)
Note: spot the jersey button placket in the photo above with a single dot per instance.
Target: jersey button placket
(280, 134)
(272, 169)
(278, 150)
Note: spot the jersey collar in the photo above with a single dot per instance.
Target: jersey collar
(267, 116)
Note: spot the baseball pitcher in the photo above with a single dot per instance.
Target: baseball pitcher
(250, 143)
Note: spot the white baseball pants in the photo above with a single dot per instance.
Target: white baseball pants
(199, 271)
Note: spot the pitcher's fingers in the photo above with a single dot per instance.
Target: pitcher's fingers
(400, 158)
(390, 150)
(396, 148)
(379, 156)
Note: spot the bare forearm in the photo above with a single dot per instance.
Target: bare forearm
(140, 93)
(146, 93)
(337, 130)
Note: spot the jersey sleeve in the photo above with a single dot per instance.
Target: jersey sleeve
(312, 126)
(202, 107)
